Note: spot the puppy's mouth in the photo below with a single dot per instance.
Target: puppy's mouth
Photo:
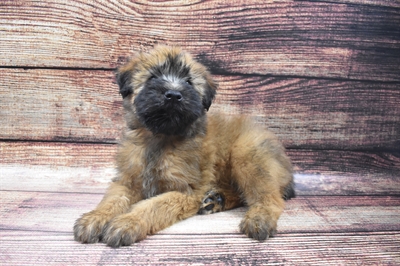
(168, 112)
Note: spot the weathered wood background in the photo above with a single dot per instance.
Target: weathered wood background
(323, 75)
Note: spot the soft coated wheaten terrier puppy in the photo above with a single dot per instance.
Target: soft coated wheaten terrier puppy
(175, 162)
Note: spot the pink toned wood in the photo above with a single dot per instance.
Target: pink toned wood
(96, 180)
(58, 154)
(37, 228)
(323, 76)
(69, 105)
(63, 105)
(282, 38)
(53, 248)
(328, 214)
(79, 167)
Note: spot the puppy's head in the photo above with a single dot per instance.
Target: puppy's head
(165, 91)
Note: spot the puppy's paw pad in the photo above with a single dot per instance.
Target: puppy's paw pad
(212, 202)
(258, 228)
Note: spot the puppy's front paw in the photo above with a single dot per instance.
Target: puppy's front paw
(88, 228)
(259, 227)
(123, 231)
(212, 202)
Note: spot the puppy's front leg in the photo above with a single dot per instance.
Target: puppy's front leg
(148, 217)
(117, 200)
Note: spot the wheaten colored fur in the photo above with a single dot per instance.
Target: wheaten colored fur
(164, 177)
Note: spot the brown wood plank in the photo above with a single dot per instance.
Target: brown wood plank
(342, 162)
(340, 39)
(385, 3)
(50, 248)
(48, 212)
(325, 172)
(56, 154)
(70, 105)
(56, 178)
(60, 105)
(347, 184)
(74, 167)
(322, 114)
(37, 228)
(96, 180)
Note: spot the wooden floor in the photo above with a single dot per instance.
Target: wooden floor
(39, 205)
(323, 75)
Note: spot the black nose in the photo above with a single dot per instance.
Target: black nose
(173, 96)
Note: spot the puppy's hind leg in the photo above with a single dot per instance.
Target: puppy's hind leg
(261, 175)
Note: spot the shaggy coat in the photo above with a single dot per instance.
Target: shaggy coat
(175, 161)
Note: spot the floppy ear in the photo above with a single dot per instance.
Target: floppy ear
(210, 91)
(124, 76)
(124, 79)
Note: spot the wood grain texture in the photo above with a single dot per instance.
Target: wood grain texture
(342, 162)
(53, 248)
(323, 75)
(317, 113)
(56, 154)
(37, 228)
(58, 212)
(96, 180)
(78, 167)
(60, 105)
(84, 105)
(337, 39)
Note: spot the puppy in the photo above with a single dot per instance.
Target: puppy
(175, 162)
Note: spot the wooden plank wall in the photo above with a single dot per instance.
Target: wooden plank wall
(323, 75)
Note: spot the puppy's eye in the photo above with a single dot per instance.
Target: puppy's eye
(152, 78)
(189, 82)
